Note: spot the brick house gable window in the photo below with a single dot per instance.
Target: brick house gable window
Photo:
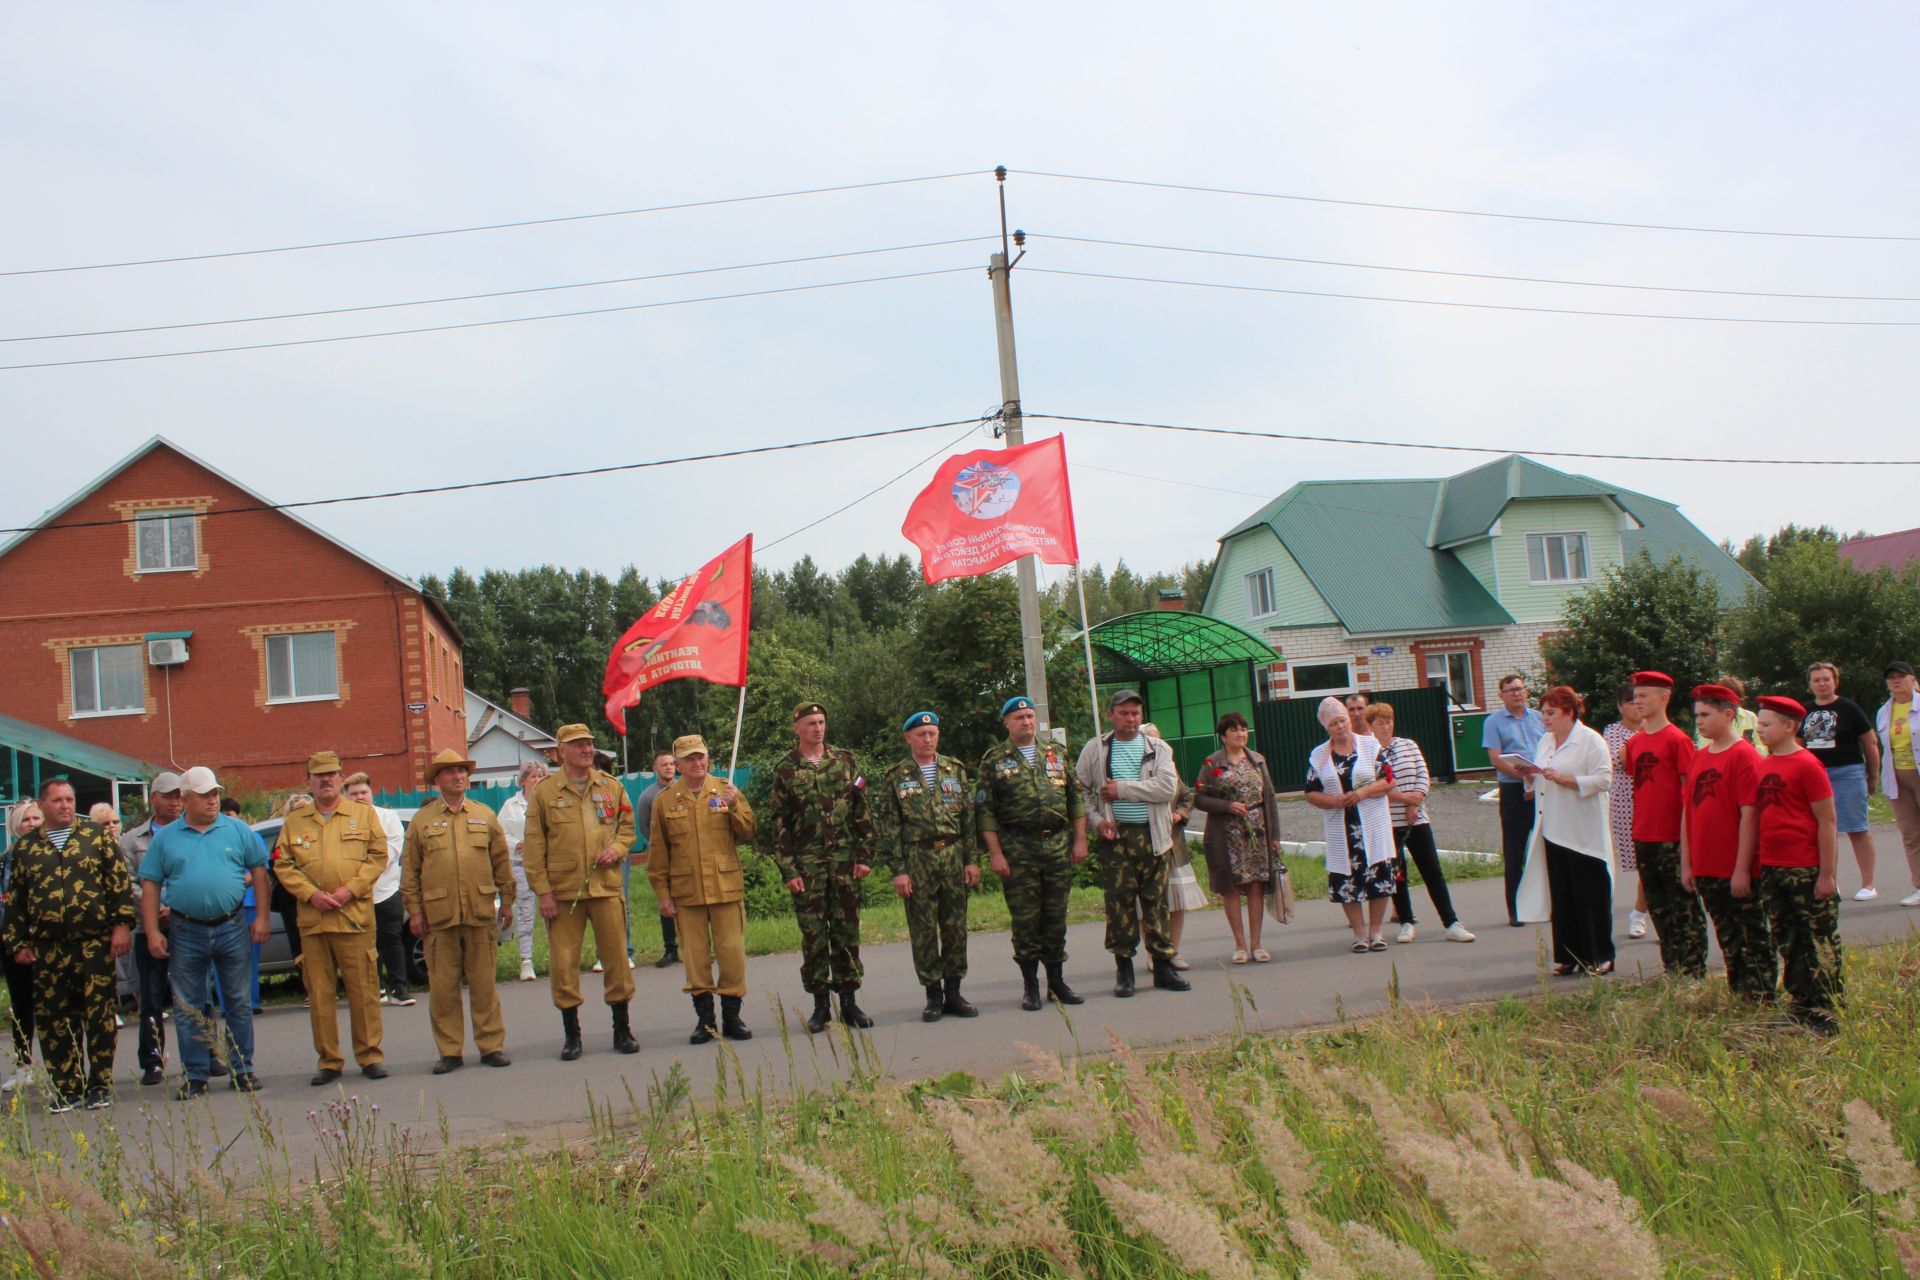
(167, 542)
(302, 667)
(106, 680)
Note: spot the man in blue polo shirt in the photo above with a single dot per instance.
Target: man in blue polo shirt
(199, 869)
(1514, 730)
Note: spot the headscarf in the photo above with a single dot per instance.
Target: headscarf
(1329, 708)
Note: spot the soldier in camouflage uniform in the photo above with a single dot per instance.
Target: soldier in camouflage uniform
(70, 916)
(924, 815)
(1033, 822)
(823, 841)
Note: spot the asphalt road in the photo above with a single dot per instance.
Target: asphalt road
(1312, 980)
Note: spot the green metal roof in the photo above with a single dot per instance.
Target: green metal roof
(1470, 502)
(1665, 533)
(70, 752)
(1170, 642)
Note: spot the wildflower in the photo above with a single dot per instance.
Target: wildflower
(1193, 1237)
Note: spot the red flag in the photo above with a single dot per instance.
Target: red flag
(699, 630)
(989, 507)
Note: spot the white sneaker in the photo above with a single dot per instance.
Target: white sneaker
(1866, 893)
(1637, 922)
(386, 997)
(1458, 932)
(598, 967)
(1911, 900)
(1406, 933)
(20, 1079)
(526, 971)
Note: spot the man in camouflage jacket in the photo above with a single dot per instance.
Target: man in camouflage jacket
(924, 814)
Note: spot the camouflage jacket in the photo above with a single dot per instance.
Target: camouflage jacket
(1012, 795)
(907, 812)
(55, 894)
(819, 811)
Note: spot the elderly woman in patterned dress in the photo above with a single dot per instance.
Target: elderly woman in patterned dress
(1620, 805)
(1348, 779)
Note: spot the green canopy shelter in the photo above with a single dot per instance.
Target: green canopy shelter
(1190, 668)
(34, 754)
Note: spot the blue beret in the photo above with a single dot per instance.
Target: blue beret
(919, 718)
(1015, 703)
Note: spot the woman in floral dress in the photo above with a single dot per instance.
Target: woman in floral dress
(1348, 779)
(1620, 806)
(1242, 841)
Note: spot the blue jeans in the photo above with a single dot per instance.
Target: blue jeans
(197, 952)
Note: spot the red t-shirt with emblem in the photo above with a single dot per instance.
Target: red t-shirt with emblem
(1790, 786)
(1718, 785)
(1656, 762)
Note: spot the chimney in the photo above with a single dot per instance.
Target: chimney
(1172, 598)
(521, 703)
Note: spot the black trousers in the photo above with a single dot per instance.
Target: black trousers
(390, 938)
(1418, 842)
(668, 938)
(1516, 826)
(20, 996)
(1582, 893)
(156, 994)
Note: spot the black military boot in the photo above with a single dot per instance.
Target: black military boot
(730, 1025)
(822, 1013)
(570, 1047)
(623, 1041)
(936, 1003)
(955, 1003)
(1057, 987)
(1030, 979)
(850, 1011)
(703, 1020)
(1168, 978)
(1123, 976)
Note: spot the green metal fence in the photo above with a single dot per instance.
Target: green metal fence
(1290, 729)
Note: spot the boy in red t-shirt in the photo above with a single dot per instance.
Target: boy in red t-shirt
(1656, 759)
(1720, 796)
(1794, 848)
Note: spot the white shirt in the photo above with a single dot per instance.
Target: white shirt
(513, 820)
(389, 882)
(1574, 817)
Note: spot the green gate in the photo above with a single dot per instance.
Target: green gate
(1290, 729)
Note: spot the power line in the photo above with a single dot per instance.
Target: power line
(1477, 275)
(1463, 213)
(499, 293)
(494, 226)
(1470, 306)
(790, 446)
(484, 324)
(885, 484)
(1475, 448)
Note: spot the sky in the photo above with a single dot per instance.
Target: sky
(147, 131)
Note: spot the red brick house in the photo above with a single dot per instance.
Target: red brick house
(180, 624)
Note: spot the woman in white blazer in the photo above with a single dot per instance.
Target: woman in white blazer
(1348, 779)
(1569, 873)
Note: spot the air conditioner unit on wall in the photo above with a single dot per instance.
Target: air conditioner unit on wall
(166, 653)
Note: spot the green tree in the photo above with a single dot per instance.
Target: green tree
(1757, 552)
(1644, 615)
(1814, 605)
(966, 653)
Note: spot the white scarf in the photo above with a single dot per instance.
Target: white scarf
(1376, 815)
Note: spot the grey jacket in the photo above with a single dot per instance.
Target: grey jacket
(1158, 785)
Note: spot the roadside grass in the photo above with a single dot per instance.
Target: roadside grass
(1615, 1132)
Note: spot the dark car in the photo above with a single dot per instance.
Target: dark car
(276, 954)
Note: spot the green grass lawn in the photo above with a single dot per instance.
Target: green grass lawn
(1613, 1131)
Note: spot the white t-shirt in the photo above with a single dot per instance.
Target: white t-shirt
(389, 882)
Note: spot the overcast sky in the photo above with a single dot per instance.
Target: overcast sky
(139, 131)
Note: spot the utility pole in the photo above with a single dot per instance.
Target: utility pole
(1032, 642)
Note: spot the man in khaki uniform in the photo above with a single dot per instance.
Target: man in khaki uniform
(579, 829)
(456, 860)
(329, 854)
(694, 863)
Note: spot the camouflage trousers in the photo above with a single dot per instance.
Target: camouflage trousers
(1678, 920)
(937, 911)
(1746, 941)
(1037, 889)
(1807, 932)
(73, 1011)
(828, 910)
(1135, 879)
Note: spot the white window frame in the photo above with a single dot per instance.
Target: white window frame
(165, 519)
(285, 641)
(1566, 540)
(1262, 578)
(1462, 697)
(1328, 691)
(93, 652)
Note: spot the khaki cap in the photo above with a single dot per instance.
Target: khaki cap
(691, 744)
(806, 709)
(447, 758)
(323, 762)
(572, 733)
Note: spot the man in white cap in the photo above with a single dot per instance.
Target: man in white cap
(150, 974)
(199, 868)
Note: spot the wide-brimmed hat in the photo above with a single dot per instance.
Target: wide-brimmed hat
(447, 758)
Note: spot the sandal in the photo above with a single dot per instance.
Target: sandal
(1601, 970)
(1239, 957)
(1563, 970)
(1260, 956)
(1377, 943)
(1359, 947)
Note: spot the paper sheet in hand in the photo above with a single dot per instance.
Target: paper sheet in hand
(1525, 767)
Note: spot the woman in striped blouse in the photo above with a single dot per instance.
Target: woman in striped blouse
(1411, 831)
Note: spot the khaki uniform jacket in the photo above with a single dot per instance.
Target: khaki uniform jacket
(693, 849)
(456, 861)
(349, 849)
(566, 831)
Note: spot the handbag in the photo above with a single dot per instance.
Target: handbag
(1280, 900)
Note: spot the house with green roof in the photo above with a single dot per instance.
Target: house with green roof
(1390, 584)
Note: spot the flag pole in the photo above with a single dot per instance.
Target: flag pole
(1086, 636)
(739, 722)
